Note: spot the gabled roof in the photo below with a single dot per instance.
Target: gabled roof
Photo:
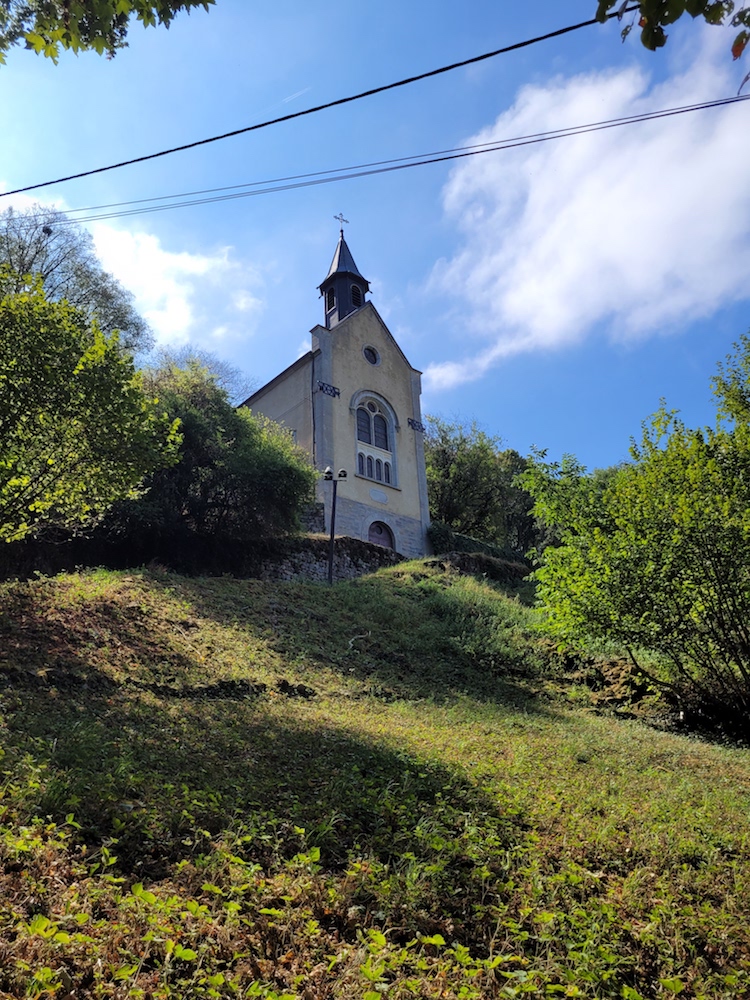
(299, 363)
(381, 321)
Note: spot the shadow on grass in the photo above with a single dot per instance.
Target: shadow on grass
(162, 782)
(400, 634)
(140, 741)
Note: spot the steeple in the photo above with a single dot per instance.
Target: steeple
(344, 288)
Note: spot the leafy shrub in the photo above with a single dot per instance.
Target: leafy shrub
(239, 476)
(655, 554)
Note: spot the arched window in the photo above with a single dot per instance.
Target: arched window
(356, 296)
(376, 427)
(330, 299)
(380, 432)
(364, 427)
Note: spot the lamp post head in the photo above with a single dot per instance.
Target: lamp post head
(342, 473)
(328, 474)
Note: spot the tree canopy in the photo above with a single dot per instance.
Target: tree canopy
(42, 241)
(235, 382)
(653, 16)
(471, 485)
(77, 431)
(47, 26)
(655, 555)
(239, 476)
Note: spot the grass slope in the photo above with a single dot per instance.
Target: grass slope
(222, 788)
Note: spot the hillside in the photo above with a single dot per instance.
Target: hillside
(227, 788)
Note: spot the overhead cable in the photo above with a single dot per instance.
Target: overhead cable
(323, 107)
(213, 195)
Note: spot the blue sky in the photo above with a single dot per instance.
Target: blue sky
(553, 293)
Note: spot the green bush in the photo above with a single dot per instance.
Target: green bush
(655, 554)
(239, 476)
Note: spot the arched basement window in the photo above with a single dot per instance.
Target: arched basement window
(380, 534)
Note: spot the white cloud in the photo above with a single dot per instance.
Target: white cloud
(243, 301)
(184, 296)
(632, 230)
(201, 298)
(22, 202)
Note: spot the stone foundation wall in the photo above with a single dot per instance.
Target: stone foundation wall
(302, 557)
(351, 558)
(313, 518)
(354, 519)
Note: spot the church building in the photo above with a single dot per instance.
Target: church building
(352, 402)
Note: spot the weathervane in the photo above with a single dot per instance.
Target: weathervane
(341, 220)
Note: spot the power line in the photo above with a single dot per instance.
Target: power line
(322, 107)
(379, 167)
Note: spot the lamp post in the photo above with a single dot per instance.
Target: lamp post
(329, 478)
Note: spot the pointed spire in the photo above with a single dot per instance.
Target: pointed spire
(344, 287)
(344, 262)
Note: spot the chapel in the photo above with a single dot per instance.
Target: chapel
(353, 403)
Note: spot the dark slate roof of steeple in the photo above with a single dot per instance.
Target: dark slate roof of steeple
(343, 262)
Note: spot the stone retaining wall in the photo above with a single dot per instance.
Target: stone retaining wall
(301, 557)
(351, 558)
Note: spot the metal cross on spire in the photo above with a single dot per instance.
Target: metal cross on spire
(341, 220)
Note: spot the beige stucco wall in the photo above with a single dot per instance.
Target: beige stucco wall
(287, 401)
(392, 380)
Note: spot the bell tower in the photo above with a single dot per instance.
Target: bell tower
(344, 288)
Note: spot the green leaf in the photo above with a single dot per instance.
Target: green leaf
(674, 10)
(377, 939)
(674, 985)
(125, 971)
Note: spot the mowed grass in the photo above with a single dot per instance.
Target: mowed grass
(223, 788)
